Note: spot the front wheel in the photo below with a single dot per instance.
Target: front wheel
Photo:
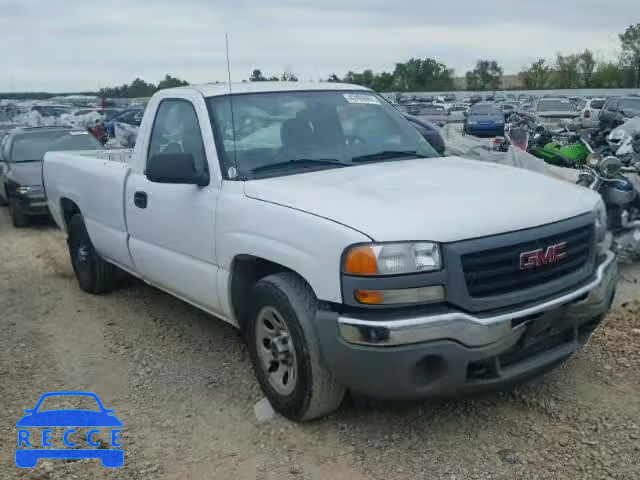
(285, 351)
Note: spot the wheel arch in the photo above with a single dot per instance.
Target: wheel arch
(68, 209)
(245, 272)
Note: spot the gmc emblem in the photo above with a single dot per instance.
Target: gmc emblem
(540, 257)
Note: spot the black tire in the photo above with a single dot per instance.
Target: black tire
(94, 275)
(19, 218)
(315, 392)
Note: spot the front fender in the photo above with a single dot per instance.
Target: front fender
(309, 245)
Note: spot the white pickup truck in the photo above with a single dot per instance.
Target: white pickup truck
(316, 219)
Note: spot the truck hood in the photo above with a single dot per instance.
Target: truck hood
(27, 173)
(442, 199)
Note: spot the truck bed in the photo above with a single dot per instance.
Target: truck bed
(95, 181)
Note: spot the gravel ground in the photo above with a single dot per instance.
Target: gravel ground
(182, 384)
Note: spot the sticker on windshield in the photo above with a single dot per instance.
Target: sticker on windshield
(360, 98)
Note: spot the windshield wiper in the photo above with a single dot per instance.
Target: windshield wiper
(387, 154)
(300, 162)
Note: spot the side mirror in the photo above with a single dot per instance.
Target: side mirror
(175, 168)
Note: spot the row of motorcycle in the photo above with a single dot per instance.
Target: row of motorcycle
(608, 162)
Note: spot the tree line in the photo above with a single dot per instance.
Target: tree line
(140, 88)
(583, 70)
(577, 70)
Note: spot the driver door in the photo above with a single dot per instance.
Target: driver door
(172, 226)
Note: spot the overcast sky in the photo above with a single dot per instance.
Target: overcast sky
(66, 45)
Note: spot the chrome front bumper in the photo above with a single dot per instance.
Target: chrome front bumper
(590, 299)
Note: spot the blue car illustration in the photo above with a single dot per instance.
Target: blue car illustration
(70, 419)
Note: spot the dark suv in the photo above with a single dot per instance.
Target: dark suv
(21, 154)
(616, 110)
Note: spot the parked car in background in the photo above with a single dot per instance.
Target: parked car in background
(617, 110)
(349, 256)
(450, 98)
(51, 110)
(426, 111)
(590, 111)
(484, 119)
(553, 112)
(429, 131)
(457, 113)
(524, 107)
(507, 109)
(475, 99)
(131, 116)
(21, 154)
(106, 113)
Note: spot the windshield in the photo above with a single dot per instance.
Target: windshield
(555, 106)
(32, 146)
(630, 104)
(485, 110)
(321, 126)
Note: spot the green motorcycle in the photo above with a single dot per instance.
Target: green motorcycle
(571, 154)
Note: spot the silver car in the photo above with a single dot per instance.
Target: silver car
(457, 113)
(554, 112)
(426, 111)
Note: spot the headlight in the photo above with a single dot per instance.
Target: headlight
(29, 189)
(601, 221)
(392, 258)
(611, 166)
(593, 160)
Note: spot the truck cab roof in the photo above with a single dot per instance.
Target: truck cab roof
(219, 89)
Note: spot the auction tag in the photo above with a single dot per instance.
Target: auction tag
(361, 98)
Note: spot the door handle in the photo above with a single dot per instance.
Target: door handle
(140, 199)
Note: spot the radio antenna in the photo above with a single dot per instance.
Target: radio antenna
(233, 171)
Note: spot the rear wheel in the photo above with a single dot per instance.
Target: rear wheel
(94, 275)
(19, 218)
(284, 349)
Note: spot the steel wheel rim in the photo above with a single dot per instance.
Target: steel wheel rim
(276, 350)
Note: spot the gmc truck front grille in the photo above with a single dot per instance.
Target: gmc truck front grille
(500, 271)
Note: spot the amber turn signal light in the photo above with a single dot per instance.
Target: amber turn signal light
(370, 297)
(361, 261)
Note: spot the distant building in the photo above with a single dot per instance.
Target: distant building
(512, 82)
(509, 82)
